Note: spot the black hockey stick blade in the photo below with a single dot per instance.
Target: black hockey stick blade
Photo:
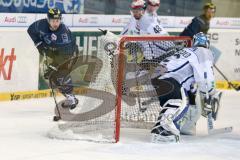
(236, 87)
(56, 118)
(104, 32)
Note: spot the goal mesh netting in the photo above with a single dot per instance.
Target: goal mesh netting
(118, 91)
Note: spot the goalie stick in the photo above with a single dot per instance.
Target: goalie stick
(210, 126)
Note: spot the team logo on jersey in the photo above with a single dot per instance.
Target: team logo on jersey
(65, 38)
(53, 37)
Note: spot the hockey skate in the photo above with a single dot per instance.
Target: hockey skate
(70, 102)
(160, 135)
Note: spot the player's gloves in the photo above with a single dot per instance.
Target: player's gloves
(50, 69)
(42, 47)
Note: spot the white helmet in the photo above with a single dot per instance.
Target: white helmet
(201, 40)
(138, 4)
(153, 2)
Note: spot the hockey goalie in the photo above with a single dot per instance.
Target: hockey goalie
(185, 72)
(189, 90)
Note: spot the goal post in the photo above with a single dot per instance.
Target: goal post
(122, 43)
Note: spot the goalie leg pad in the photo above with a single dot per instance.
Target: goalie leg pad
(192, 116)
(171, 118)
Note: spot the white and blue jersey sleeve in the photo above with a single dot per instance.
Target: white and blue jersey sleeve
(187, 66)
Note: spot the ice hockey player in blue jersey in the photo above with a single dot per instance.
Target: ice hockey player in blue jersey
(200, 23)
(55, 42)
(180, 74)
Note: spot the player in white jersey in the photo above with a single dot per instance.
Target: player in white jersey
(144, 19)
(152, 7)
(151, 14)
(143, 24)
(179, 74)
(137, 9)
(151, 10)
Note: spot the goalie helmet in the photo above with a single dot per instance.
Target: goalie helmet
(54, 13)
(201, 40)
(154, 2)
(138, 4)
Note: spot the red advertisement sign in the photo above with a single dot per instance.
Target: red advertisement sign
(6, 64)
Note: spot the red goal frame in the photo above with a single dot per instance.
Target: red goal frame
(122, 41)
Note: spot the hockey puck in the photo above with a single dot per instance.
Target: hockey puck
(56, 118)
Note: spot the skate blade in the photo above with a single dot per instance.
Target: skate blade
(156, 138)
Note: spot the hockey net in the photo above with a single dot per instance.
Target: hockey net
(118, 92)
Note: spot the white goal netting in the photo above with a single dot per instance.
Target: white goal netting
(119, 91)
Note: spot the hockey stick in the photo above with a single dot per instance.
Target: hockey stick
(149, 101)
(72, 60)
(137, 71)
(237, 88)
(211, 129)
(55, 118)
(209, 115)
(142, 109)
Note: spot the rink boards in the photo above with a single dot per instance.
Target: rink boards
(19, 72)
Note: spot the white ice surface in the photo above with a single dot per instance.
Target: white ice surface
(24, 124)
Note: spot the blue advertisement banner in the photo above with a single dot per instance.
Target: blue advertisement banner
(41, 6)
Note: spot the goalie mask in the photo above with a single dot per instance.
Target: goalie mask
(201, 40)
